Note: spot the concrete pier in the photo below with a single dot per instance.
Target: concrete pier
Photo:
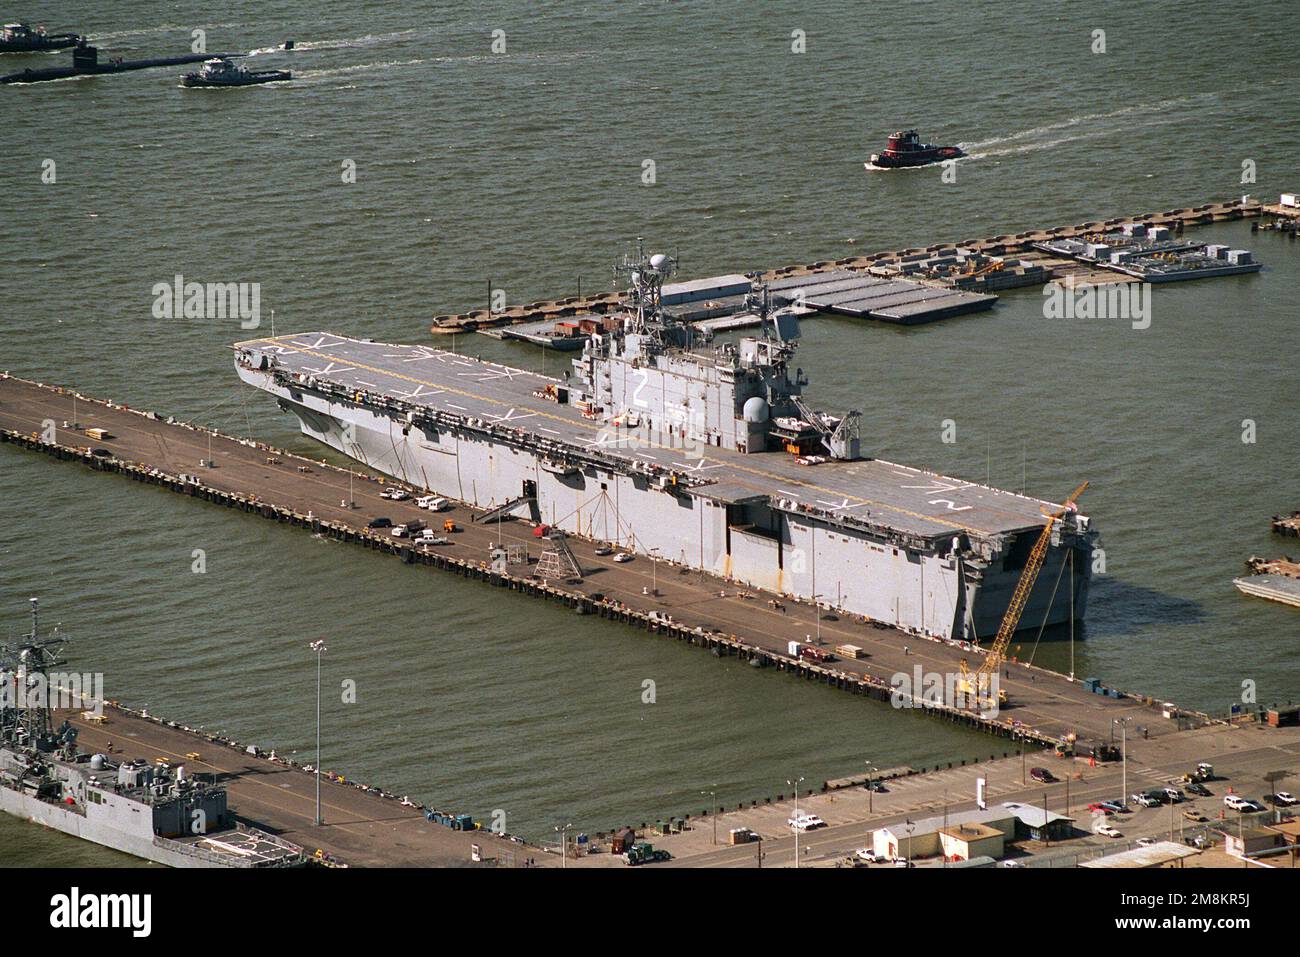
(708, 612)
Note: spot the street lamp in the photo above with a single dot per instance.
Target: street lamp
(817, 614)
(1123, 750)
(713, 812)
(795, 785)
(654, 571)
(871, 792)
(318, 646)
(563, 831)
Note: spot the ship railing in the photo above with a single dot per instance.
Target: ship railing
(423, 415)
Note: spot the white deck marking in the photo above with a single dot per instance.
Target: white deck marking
(510, 416)
(330, 369)
(419, 393)
(321, 343)
(697, 466)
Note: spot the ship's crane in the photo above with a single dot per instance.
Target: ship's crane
(997, 652)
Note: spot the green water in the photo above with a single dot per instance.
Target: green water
(525, 168)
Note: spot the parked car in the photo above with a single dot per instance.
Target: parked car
(1146, 800)
(433, 503)
(1175, 796)
(428, 537)
(1199, 790)
(876, 786)
(1114, 807)
(1105, 830)
(866, 854)
(623, 557)
(1012, 863)
(604, 550)
(101, 453)
(408, 529)
(1100, 807)
(1042, 775)
(1238, 803)
(1195, 816)
(395, 494)
(380, 523)
(805, 822)
(1145, 841)
(1280, 799)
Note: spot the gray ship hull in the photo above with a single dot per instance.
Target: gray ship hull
(57, 818)
(790, 546)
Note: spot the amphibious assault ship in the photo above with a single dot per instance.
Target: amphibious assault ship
(666, 443)
(156, 812)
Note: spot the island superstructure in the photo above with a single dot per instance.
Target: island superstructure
(668, 444)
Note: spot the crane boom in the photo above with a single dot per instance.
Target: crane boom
(1020, 597)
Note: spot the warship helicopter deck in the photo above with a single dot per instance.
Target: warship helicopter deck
(900, 497)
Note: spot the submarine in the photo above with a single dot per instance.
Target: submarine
(86, 62)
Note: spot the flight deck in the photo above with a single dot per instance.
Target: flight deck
(918, 502)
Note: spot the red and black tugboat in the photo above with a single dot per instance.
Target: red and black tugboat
(906, 149)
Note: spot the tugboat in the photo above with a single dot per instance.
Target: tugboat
(221, 72)
(20, 38)
(906, 149)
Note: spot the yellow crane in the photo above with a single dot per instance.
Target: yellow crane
(998, 651)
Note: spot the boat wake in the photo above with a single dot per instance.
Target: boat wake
(356, 68)
(184, 29)
(1088, 126)
(369, 40)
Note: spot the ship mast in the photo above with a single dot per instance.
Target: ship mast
(25, 716)
(643, 276)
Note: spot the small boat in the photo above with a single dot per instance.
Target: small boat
(20, 38)
(220, 72)
(906, 149)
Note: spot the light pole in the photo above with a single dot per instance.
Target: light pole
(318, 646)
(817, 615)
(713, 813)
(654, 571)
(1123, 753)
(563, 831)
(871, 791)
(795, 784)
(911, 826)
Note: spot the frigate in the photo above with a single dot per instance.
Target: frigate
(156, 811)
(665, 442)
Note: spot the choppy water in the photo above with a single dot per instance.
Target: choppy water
(525, 168)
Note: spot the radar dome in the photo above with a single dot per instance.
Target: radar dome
(756, 409)
(658, 261)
